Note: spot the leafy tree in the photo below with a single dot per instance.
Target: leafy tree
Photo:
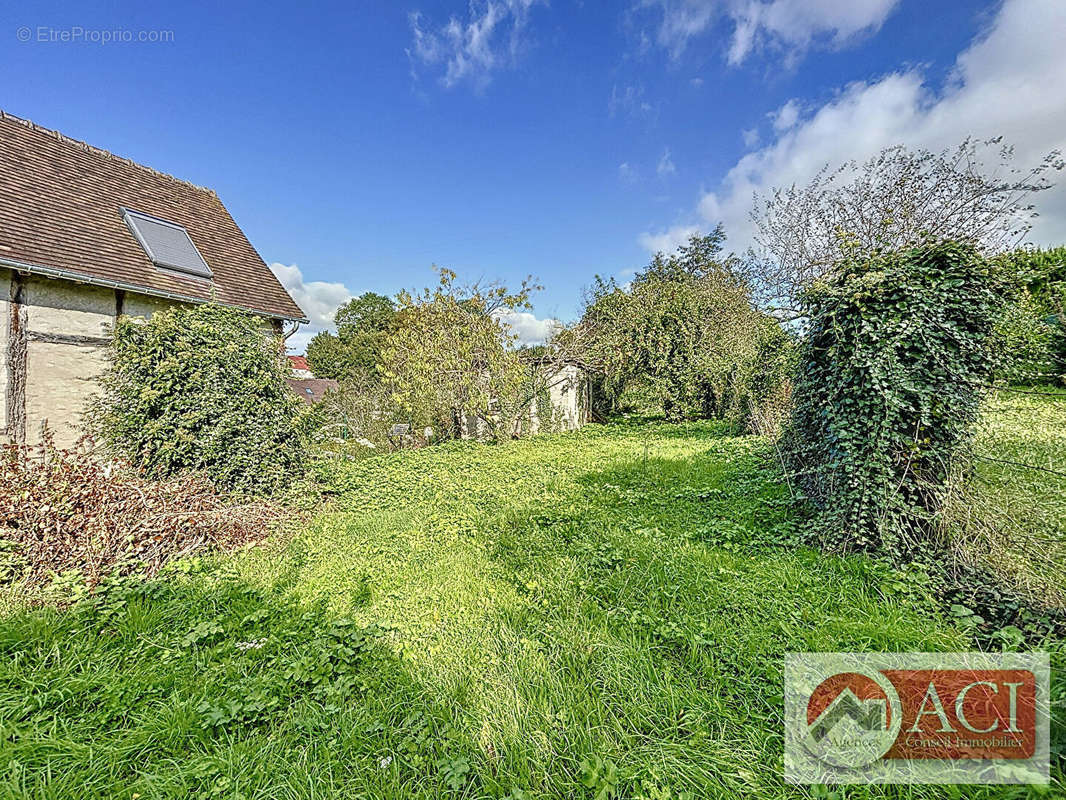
(900, 198)
(200, 389)
(685, 325)
(450, 360)
(362, 325)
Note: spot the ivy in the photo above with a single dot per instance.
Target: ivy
(887, 391)
(200, 389)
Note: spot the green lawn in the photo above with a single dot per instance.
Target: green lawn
(1013, 517)
(601, 614)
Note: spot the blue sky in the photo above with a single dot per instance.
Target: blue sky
(359, 143)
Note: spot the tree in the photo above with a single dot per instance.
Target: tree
(200, 389)
(449, 359)
(1030, 337)
(685, 325)
(362, 326)
(898, 199)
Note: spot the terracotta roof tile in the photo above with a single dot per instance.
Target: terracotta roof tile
(60, 205)
(312, 390)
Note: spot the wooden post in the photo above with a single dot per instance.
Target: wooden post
(16, 361)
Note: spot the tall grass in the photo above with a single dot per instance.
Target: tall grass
(1010, 514)
(594, 614)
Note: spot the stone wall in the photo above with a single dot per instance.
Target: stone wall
(53, 335)
(52, 344)
(565, 408)
(5, 320)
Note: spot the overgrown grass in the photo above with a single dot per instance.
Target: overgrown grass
(599, 614)
(1011, 514)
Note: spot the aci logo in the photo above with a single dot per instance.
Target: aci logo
(852, 719)
(917, 718)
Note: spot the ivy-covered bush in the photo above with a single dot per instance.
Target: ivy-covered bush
(887, 390)
(200, 389)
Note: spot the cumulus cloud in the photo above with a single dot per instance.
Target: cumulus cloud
(1004, 83)
(666, 165)
(469, 49)
(786, 117)
(791, 26)
(318, 299)
(527, 327)
(667, 241)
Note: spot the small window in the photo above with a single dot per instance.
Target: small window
(167, 244)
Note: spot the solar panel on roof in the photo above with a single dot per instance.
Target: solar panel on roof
(167, 244)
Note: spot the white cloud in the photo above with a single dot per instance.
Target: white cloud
(471, 49)
(789, 25)
(669, 240)
(527, 327)
(786, 117)
(666, 165)
(318, 299)
(750, 137)
(627, 173)
(1007, 82)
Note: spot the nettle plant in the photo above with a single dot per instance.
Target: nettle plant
(888, 388)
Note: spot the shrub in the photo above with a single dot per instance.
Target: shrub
(767, 399)
(1031, 329)
(887, 390)
(355, 421)
(684, 328)
(64, 510)
(200, 389)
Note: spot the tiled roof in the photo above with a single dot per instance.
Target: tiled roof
(312, 390)
(298, 362)
(60, 203)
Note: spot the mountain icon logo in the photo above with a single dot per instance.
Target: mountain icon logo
(853, 719)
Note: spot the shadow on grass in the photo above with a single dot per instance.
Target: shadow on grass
(200, 685)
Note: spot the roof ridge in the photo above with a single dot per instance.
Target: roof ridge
(88, 148)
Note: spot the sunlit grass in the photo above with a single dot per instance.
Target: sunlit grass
(1010, 516)
(621, 596)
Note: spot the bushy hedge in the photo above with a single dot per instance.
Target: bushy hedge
(200, 389)
(888, 387)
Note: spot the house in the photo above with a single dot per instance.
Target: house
(312, 390)
(300, 367)
(87, 237)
